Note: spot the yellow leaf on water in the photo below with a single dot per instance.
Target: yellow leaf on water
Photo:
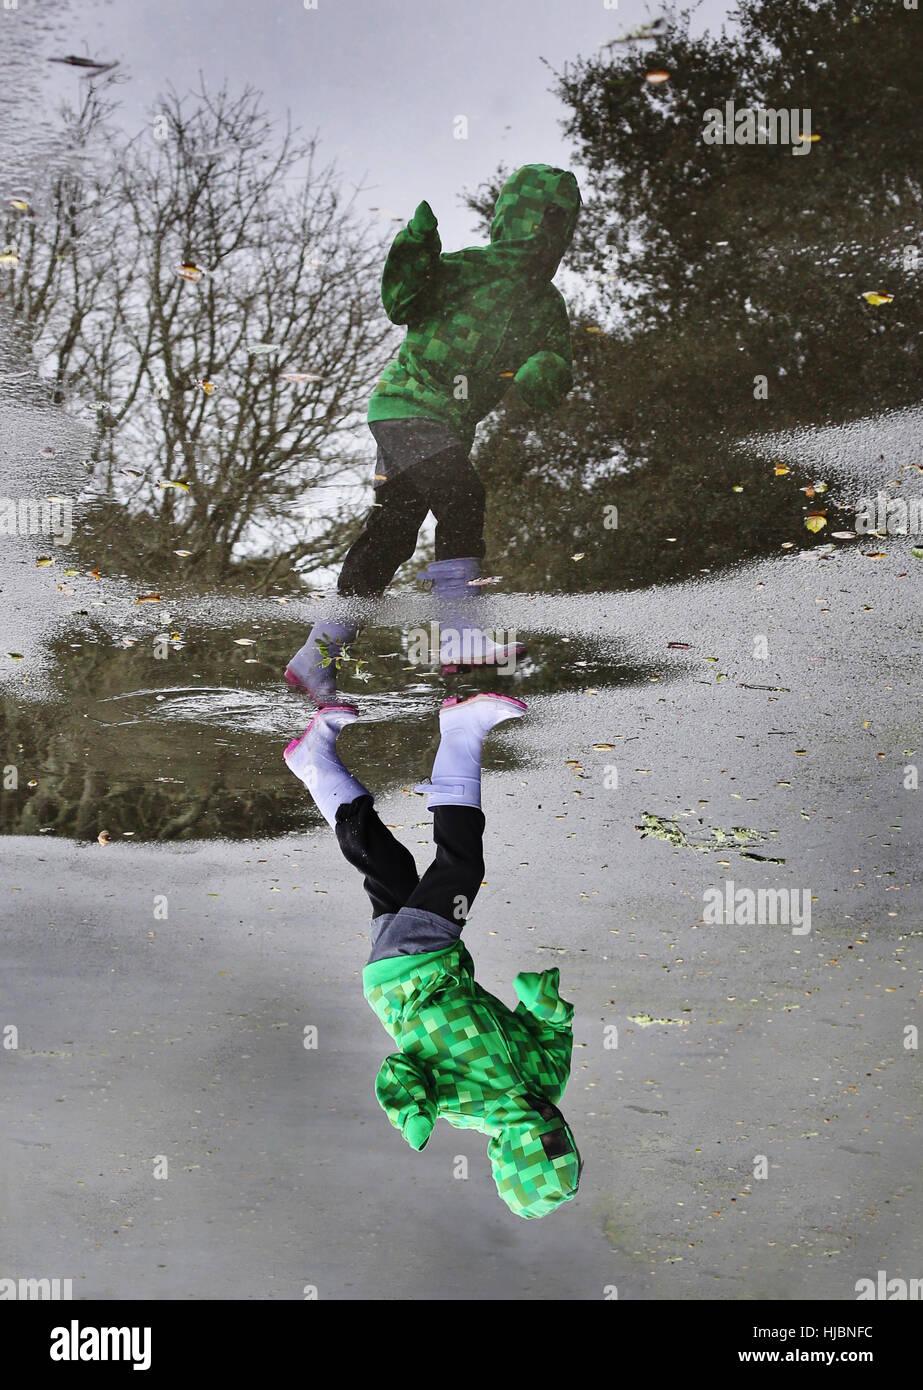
(780, 469)
(658, 75)
(184, 553)
(190, 271)
(19, 204)
(581, 554)
(244, 642)
(44, 561)
(9, 258)
(602, 746)
(815, 521)
(180, 484)
(149, 598)
(875, 298)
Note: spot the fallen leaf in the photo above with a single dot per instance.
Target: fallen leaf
(658, 75)
(190, 271)
(104, 837)
(44, 561)
(149, 598)
(815, 521)
(184, 553)
(875, 298)
(780, 469)
(92, 64)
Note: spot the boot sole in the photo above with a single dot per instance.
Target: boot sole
(454, 700)
(323, 710)
(301, 689)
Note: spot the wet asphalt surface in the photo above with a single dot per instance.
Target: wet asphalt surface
(142, 1037)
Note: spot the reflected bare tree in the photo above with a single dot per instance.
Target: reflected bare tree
(208, 296)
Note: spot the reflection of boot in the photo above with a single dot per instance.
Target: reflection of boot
(461, 641)
(463, 727)
(306, 673)
(314, 759)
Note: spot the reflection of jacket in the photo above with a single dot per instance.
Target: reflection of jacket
(466, 1057)
(477, 317)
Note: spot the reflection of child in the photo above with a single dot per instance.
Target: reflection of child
(477, 320)
(463, 1054)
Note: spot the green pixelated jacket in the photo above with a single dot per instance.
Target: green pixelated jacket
(468, 1058)
(482, 317)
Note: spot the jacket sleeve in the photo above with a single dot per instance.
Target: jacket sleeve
(411, 274)
(551, 1022)
(546, 377)
(404, 1090)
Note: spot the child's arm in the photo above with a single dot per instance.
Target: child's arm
(545, 378)
(552, 1025)
(410, 272)
(403, 1090)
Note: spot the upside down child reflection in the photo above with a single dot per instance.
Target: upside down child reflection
(463, 1055)
(479, 321)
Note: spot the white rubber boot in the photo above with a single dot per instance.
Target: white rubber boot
(461, 641)
(306, 671)
(463, 727)
(313, 758)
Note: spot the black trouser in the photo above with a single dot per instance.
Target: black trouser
(446, 485)
(390, 874)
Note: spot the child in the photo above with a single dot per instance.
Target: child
(476, 320)
(463, 1054)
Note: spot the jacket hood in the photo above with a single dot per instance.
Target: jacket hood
(535, 1162)
(519, 212)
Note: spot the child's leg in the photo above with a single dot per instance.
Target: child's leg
(389, 869)
(387, 540)
(455, 495)
(451, 882)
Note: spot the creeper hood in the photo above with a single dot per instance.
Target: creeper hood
(535, 1162)
(536, 214)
